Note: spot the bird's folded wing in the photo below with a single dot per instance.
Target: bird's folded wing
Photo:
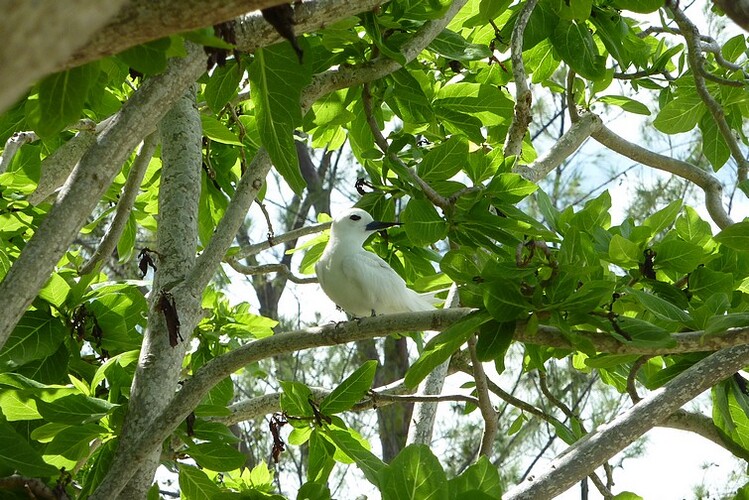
(371, 274)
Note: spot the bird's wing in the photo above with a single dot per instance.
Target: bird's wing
(379, 285)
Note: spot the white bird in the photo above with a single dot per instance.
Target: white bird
(358, 281)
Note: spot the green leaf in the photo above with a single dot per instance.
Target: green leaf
(713, 144)
(218, 457)
(73, 442)
(680, 256)
(680, 115)
(36, 336)
(18, 405)
(721, 323)
(414, 473)
(196, 485)
(623, 252)
(149, 58)
(575, 44)
(16, 453)
(482, 476)
(217, 131)
(690, 227)
(511, 187)
(639, 6)
(408, 100)
(126, 243)
(705, 283)
(367, 461)
(320, 461)
(443, 345)
(351, 390)
(451, 45)
(445, 160)
(626, 103)
(493, 341)
(485, 102)
(664, 217)
(295, 399)
(423, 224)
(74, 409)
(277, 79)
(735, 236)
(222, 85)
(731, 416)
(504, 301)
(62, 96)
(645, 334)
(661, 308)
(55, 291)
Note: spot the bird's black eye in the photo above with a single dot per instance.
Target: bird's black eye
(355, 217)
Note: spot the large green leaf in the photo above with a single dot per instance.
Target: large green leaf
(351, 390)
(414, 473)
(16, 453)
(295, 399)
(352, 447)
(485, 102)
(74, 409)
(735, 236)
(680, 115)
(575, 44)
(481, 476)
(222, 85)
(661, 308)
(445, 160)
(217, 456)
(277, 79)
(451, 45)
(713, 144)
(731, 416)
(423, 224)
(443, 345)
(36, 336)
(407, 98)
(62, 96)
(680, 256)
(195, 484)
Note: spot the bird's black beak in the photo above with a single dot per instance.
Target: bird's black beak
(376, 225)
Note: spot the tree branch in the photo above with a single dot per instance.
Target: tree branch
(38, 37)
(580, 459)
(697, 63)
(13, 145)
(709, 184)
(281, 269)
(124, 205)
(89, 180)
(488, 413)
(562, 148)
(255, 249)
(523, 97)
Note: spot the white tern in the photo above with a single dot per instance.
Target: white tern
(358, 281)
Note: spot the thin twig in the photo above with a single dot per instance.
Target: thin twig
(281, 269)
(632, 377)
(523, 96)
(124, 205)
(488, 412)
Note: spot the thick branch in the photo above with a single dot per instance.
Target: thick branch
(38, 36)
(583, 457)
(221, 367)
(90, 179)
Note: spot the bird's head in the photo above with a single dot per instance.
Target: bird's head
(356, 225)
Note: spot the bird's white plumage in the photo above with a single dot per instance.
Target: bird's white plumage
(358, 281)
